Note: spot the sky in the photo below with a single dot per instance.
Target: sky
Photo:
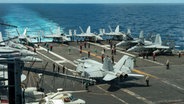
(91, 1)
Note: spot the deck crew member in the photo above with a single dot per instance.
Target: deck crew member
(179, 54)
(64, 70)
(167, 64)
(69, 50)
(112, 58)
(147, 80)
(54, 67)
(88, 54)
(154, 56)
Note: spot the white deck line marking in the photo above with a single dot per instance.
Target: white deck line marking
(113, 95)
(166, 82)
(54, 61)
(59, 56)
(137, 96)
(152, 61)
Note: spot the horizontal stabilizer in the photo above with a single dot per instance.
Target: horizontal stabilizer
(135, 75)
(109, 77)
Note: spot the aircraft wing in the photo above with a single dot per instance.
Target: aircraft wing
(52, 36)
(94, 72)
(157, 46)
(162, 47)
(135, 75)
(109, 77)
(84, 35)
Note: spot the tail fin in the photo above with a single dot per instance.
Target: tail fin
(75, 32)
(129, 32)
(110, 28)
(103, 30)
(126, 61)
(117, 29)
(128, 35)
(88, 31)
(107, 65)
(70, 32)
(1, 38)
(158, 40)
(81, 29)
(25, 31)
(141, 36)
(129, 63)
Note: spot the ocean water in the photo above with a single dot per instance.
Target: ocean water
(165, 19)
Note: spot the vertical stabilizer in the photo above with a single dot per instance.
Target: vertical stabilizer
(129, 63)
(117, 29)
(158, 40)
(88, 31)
(103, 30)
(25, 32)
(107, 65)
(110, 28)
(70, 32)
(121, 62)
(141, 36)
(128, 35)
(74, 32)
(81, 29)
(1, 38)
(128, 32)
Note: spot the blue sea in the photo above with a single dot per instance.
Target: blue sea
(165, 19)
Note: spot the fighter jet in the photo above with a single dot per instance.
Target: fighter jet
(155, 47)
(87, 35)
(58, 36)
(114, 34)
(10, 43)
(106, 71)
(129, 41)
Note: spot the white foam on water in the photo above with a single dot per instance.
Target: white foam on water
(23, 17)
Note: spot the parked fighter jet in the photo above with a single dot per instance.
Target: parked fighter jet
(58, 36)
(155, 47)
(129, 41)
(114, 34)
(93, 69)
(87, 35)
